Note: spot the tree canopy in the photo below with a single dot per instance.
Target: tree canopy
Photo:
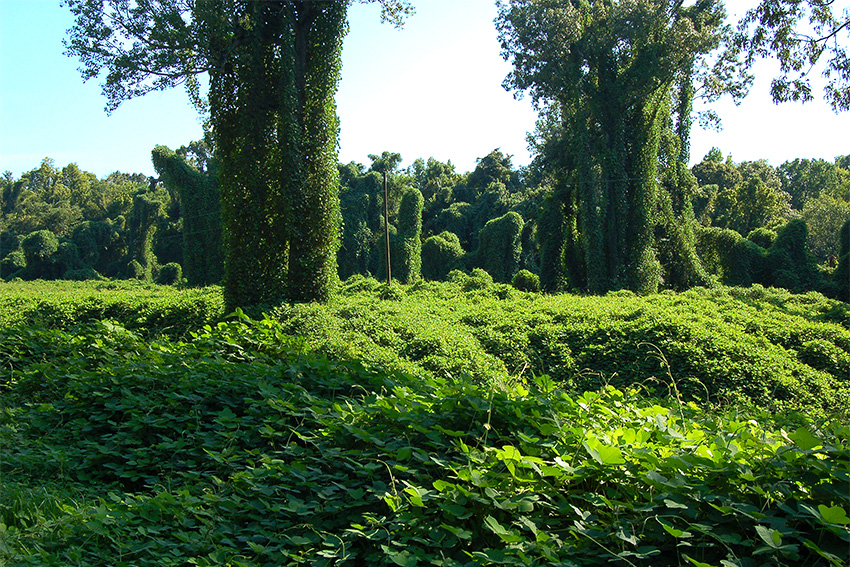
(803, 35)
(616, 82)
(273, 68)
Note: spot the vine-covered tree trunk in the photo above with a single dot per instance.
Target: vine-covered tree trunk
(315, 201)
(142, 231)
(610, 76)
(274, 118)
(200, 212)
(409, 237)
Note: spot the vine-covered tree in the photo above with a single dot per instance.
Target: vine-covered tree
(500, 247)
(143, 226)
(441, 254)
(615, 81)
(273, 68)
(409, 237)
(200, 211)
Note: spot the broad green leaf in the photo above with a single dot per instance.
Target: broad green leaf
(604, 454)
(510, 453)
(498, 529)
(675, 505)
(804, 439)
(675, 532)
(833, 514)
(833, 559)
(770, 536)
(459, 533)
(697, 563)
(403, 557)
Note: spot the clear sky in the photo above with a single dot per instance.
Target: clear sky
(431, 89)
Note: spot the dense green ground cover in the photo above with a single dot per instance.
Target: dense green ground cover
(723, 345)
(241, 444)
(143, 307)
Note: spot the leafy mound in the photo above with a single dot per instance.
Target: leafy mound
(139, 306)
(240, 447)
(717, 346)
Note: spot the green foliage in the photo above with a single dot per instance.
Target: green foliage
(409, 263)
(433, 177)
(555, 239)
(841, 275)
(143, 308)
(440, 255)
(457, 219)
(752, 204)
(788, 262)
(495, 167)
(763, 237)
(143, 225)
(273, 73)
(806, 180)
(40, 248)
(200, 211)
(280, 205)
(723, 345)
(616, 89)
(824, 216)
(82, 274)
(734, 259)
(12, 263)
(500, 246)
(361, 221)
(101, 245)
(802, 35)
(524, 280)
(135, 271)
(477, 280)
(262, 453)
(170, 274)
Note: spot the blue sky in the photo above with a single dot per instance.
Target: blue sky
(432, 89)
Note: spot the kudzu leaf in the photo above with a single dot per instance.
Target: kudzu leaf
(675, 532)
(804, 439)
(603, 454)
(770, 536)
(673, 504)
(403, 558)
(498, 529)
(459, 533)
(833, 559)
(833, 514)
(510, 453)
(697, 563)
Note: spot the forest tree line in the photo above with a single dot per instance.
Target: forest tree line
(777, 226)
(614, 84)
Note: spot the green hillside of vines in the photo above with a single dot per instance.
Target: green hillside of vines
(453, 424)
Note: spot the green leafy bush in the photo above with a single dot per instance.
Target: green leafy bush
(524, 280)
(440, 255)
(170, 274)
(500, 246)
